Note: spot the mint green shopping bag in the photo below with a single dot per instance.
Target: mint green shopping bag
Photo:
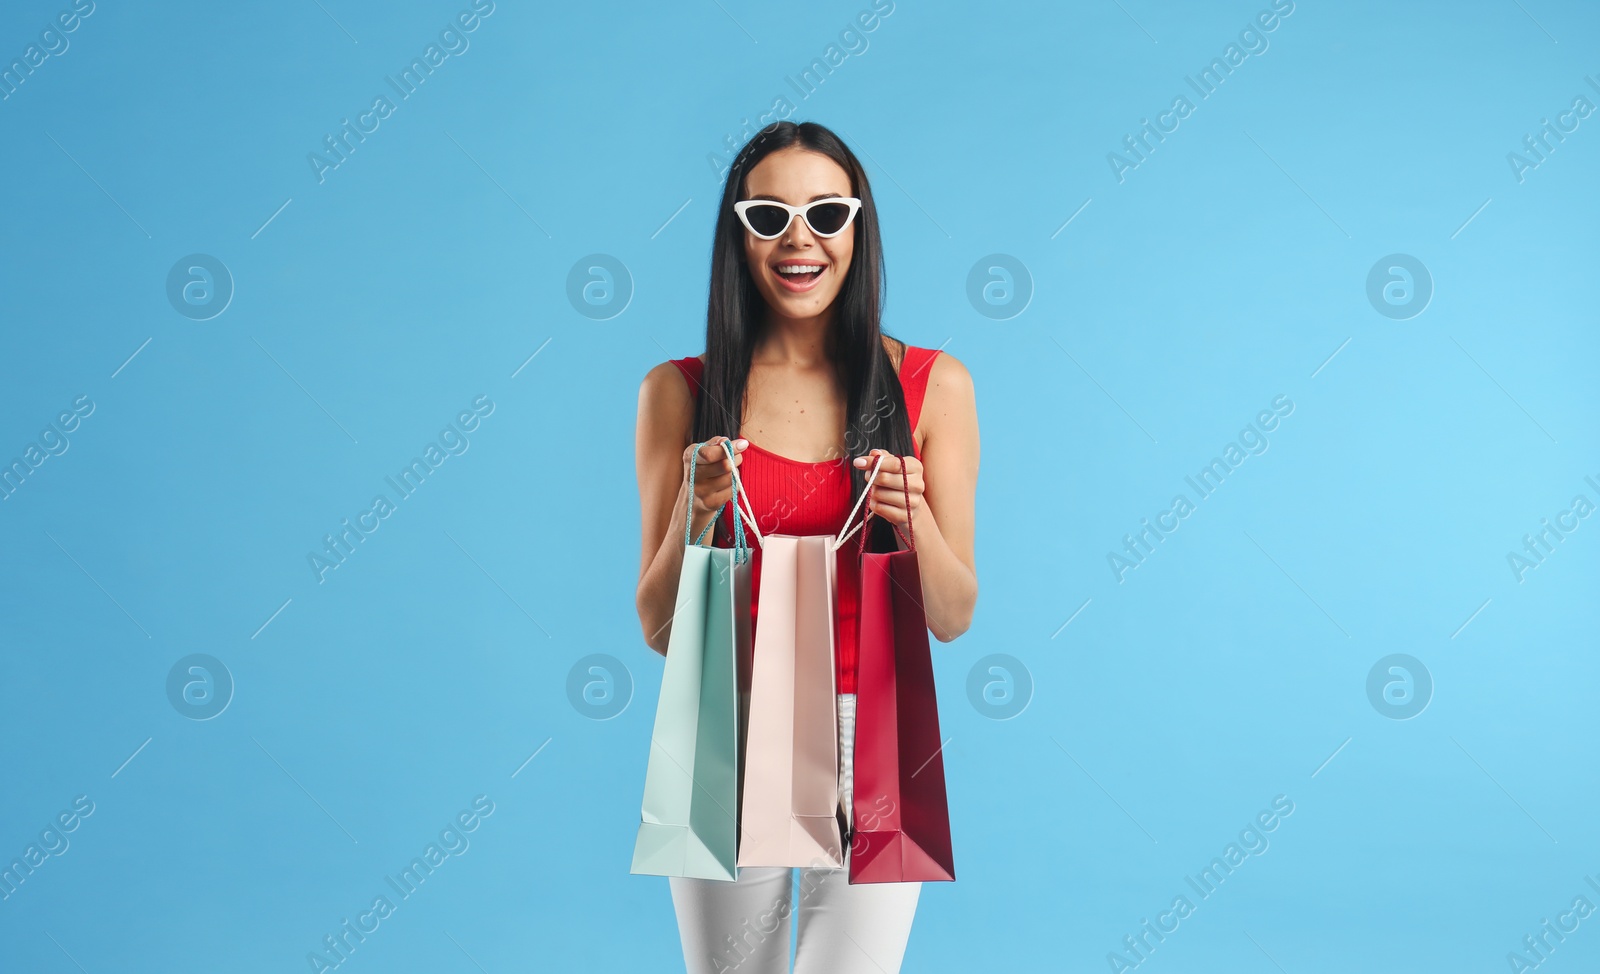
(688, 824)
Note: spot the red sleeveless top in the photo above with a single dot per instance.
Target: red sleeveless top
(800, 498)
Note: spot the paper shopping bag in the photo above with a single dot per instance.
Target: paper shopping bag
(689, 817)
(901, 820)
(791, 779)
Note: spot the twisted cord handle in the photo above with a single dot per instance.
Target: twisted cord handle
(742, 515)
(905, 487)
(688, 522)
(845, 535)
(740, 545)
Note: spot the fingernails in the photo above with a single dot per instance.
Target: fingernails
(741, 443)
(861, 461)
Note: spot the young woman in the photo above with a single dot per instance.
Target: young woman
(795, 361)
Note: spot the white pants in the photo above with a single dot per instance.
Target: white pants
(743, 926)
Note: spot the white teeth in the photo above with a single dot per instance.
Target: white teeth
(792, 269)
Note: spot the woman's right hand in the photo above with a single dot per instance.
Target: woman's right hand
(713, 475)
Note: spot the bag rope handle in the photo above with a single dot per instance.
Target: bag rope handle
(845, 535)
(748, 511)
(741, 547)
(688, 522)
(905, 487)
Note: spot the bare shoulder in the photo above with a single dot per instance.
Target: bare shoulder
(950, 402)
(948, 378)
(664, 397)
(664, 378)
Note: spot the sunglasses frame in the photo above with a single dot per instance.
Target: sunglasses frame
(803, 211)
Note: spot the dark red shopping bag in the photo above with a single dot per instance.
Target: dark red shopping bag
(900, 810)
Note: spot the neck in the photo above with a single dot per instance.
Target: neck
(795, 341)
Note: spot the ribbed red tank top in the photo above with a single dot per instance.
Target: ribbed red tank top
(795, 497)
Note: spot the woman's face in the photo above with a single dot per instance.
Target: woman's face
(798, 176)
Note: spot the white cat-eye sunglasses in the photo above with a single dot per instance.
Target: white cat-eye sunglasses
(768, 219)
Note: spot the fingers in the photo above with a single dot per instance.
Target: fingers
(712, 452)
(713, 479)
(865, 463)
(709, 453)
(713, 470)
(891, 506)
(897, 488)
(711, 462)
(891, 464)
(896, 483)
(885, 502)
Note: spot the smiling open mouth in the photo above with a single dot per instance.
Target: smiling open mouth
(799, 277)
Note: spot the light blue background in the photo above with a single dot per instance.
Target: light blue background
(372, 307)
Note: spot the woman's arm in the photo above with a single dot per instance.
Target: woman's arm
(666, 413)
(942, 517)
(950, 481)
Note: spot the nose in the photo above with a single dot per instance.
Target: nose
(798, 232)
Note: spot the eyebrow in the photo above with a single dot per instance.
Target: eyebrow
(819, 196)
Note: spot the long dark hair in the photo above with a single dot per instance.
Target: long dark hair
(736, 319)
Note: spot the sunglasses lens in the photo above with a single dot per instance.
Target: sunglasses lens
(768, 221)
(828, 218)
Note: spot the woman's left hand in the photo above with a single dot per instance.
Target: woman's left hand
(893, 496)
